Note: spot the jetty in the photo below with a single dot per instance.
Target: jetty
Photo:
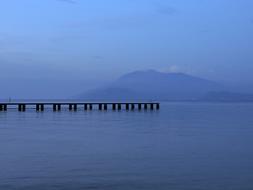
(76, 106)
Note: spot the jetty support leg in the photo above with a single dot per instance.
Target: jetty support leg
(42, 107)
(20, 107)
(37, 107)
(24, 107)
(132, 106)
(59, 107)
(54, 107)
(139, 106)
(75, 107)
(100, 107)
(152, 106)
(157, 106)
(5, 107)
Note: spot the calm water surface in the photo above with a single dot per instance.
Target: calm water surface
(195, 146)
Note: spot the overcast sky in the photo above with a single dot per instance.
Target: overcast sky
(78, 44)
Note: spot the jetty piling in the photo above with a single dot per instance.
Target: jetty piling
(100, 106)
(75, 107)
(5, 107)
(157, 106)
(40, 107)
(139, 106)
(56, 107)
(37, 107)
(70, 107)
(21, 107)
(119, 106)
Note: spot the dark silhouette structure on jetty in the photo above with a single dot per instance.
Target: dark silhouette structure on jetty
(75, 106)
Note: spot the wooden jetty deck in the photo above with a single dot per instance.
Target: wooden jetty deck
(75, 106)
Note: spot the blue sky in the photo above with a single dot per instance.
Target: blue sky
(91, 42)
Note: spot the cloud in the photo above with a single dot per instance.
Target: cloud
(178, 69)
(173, 69)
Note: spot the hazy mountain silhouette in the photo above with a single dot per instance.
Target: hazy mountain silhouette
(226, 96)
(153, 85)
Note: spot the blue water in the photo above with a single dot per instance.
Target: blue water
(188, 146)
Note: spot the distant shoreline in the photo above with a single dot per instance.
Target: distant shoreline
(122, 101)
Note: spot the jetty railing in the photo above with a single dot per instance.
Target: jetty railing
(75, 106)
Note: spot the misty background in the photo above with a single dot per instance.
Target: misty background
(61, 48)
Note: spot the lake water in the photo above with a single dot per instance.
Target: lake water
(186, 146)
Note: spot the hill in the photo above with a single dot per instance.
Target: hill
(154, 85)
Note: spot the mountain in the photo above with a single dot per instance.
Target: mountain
(154, 85)
(226, 96)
